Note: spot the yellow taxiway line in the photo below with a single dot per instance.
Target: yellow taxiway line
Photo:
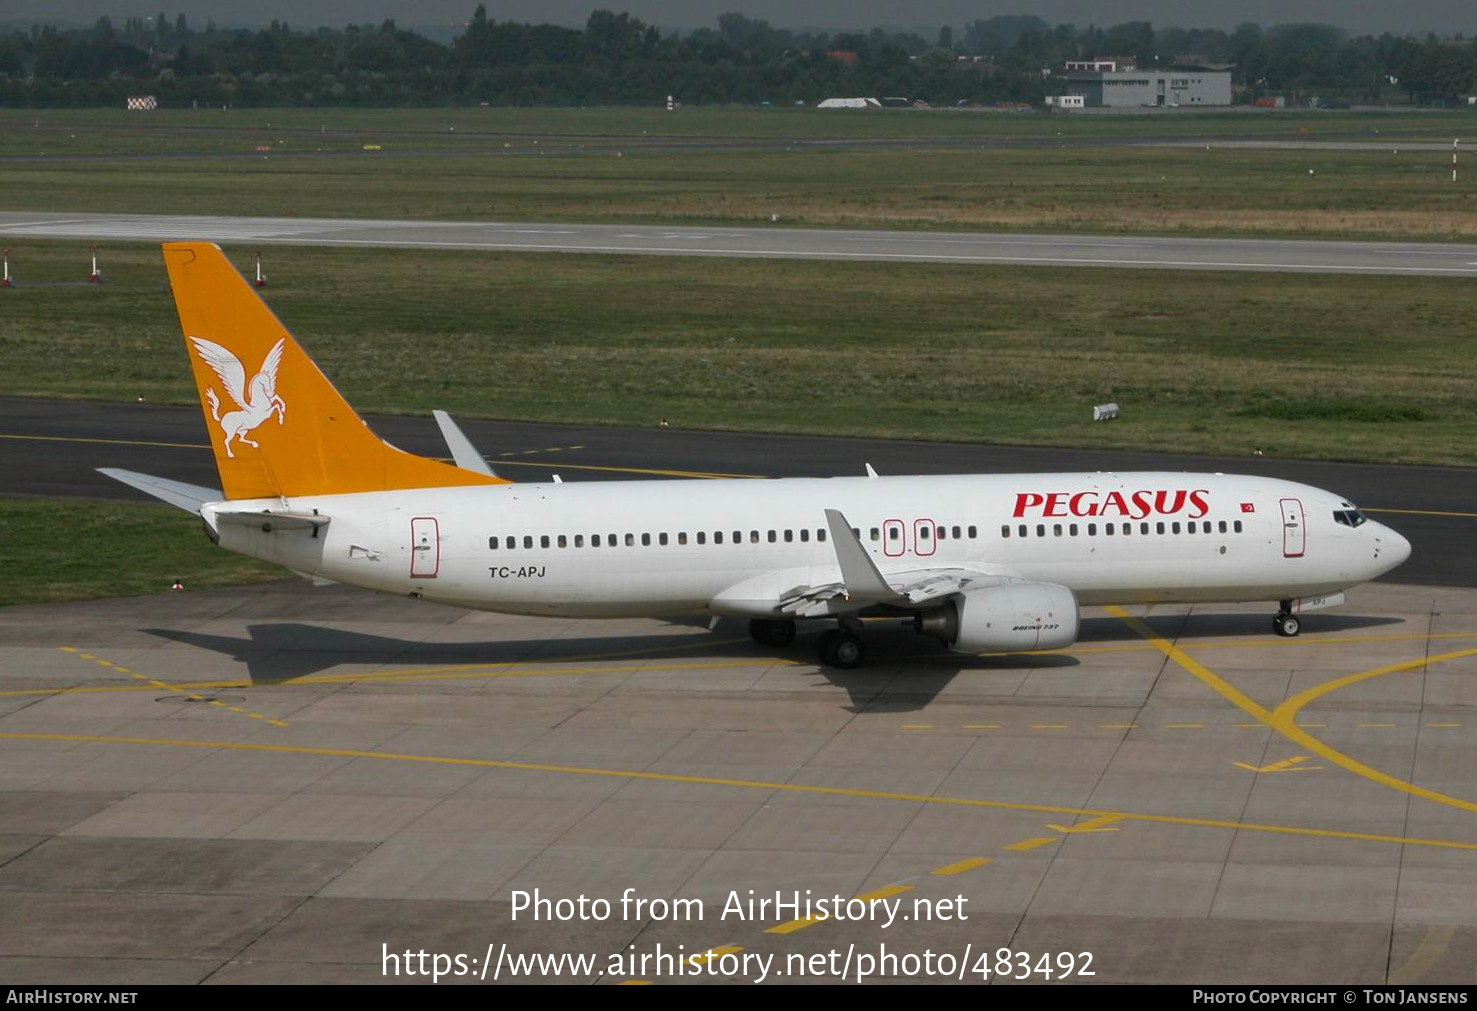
(1283, 719)
(747, 784)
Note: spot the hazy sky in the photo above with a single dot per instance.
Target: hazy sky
(1399, 16)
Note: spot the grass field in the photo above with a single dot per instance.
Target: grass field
(427, 170)
(56, 131)
(130, 549)
(1322, 366)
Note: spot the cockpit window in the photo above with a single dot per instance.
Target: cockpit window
(1349, 517)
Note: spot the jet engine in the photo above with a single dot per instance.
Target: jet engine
(1009, 618)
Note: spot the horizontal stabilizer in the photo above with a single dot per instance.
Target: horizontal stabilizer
(189, 497)
(463, 453)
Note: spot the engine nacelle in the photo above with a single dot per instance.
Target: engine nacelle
(1013, 617)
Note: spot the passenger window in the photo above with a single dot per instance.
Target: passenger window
(1159, 527)
(971, 533)
(661, 539)
(527, 541)
(1072, 530)
(875, 534)
(1056, 529)
(771, 537)
(738, 537)
(956, 533)
(820, 534)
(805, 535)
(1190, 527)
(1144, 528)
(563, 541)
(922, 533)
(1092, 529)
(492, 543)
(594, 540)
(1005, 530)
(543, 541)
(1128, 530)
(682, 537)
(717, 536)
(753, 537)
(510, 543)
(646, 540)
(1223, 526)
(579, 540)
(1040, 529)
(1238, 526)
(1108, 529)
(702, 537)
(1022, 530)
(789, 536)
(1175, 527)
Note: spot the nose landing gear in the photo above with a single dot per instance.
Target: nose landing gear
(1286, 624)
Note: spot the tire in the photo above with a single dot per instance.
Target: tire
(842, 650)
(1287, 625)
(772, 633)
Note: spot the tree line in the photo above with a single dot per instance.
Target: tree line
(616, 59)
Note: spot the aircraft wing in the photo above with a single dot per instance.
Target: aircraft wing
(863, 585)
(910, 591)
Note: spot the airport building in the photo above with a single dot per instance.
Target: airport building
(1128, 87)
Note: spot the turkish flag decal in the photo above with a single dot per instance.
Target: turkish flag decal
(1248, 507)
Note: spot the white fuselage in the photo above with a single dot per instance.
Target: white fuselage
(736, 547)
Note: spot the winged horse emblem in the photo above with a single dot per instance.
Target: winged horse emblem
(257, 400)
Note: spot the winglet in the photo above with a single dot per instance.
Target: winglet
(463, 453)
(858, 572)
(870, 472)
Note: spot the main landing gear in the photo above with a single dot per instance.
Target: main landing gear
(841, 648)
(772, 633)
(1286, 624)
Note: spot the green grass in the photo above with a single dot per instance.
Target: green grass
(33, 130)
(128, 549)
(1320, 366)
(478, 173)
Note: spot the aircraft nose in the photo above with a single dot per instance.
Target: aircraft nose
(1394, 548)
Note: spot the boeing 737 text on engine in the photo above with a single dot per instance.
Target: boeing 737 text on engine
(990, 563)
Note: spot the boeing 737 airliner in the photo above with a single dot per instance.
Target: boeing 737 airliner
(997, 563)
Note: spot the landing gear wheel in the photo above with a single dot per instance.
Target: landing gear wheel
(1286, 625)
(842, 650)
(772, 633)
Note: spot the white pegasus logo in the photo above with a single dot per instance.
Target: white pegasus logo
(258, 399)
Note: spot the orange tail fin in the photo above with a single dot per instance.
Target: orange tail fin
(277, 425)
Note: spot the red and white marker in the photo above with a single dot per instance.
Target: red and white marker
(95, 277)
(6, 282)
(261, 279)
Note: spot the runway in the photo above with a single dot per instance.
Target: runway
(50, 447)
(283, 784)
(771, 242)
